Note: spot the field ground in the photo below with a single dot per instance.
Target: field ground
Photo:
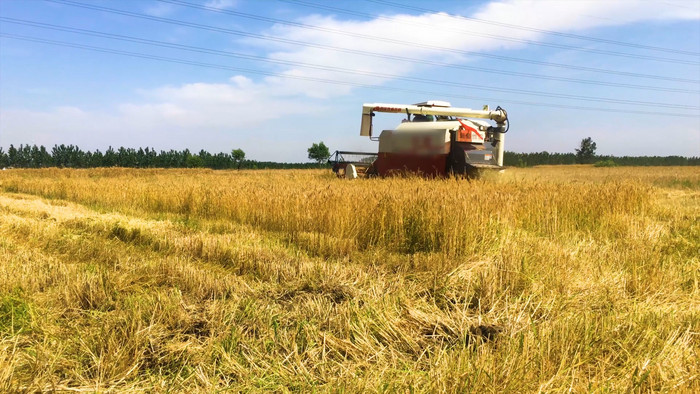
(543, 279)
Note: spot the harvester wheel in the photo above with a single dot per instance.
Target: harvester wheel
(371, 171)
(472, 172)
(350, 171)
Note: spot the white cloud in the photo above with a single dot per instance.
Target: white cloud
(429, 32)
(579, 15)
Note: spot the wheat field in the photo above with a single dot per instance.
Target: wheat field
(548, 279)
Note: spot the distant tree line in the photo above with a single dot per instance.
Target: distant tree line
(585, 154)
(70, 156)
(542, 158)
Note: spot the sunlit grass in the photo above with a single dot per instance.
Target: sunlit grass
(544, 279)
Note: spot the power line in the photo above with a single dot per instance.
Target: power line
(329, 81)
(680, 6)
(414, 44)
(120, 37)
(533, 29)
(435, 63)
(470, 32)
(357, 52)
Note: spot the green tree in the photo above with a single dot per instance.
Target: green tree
(238, 156)
(586, 151)
(44, 157)
(96, 160)
(319, 152)
(3, 159)
(11, 156)
(109, 159)
(193, 161)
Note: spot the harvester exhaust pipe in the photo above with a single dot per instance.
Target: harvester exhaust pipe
(499, 135)
(499, 138)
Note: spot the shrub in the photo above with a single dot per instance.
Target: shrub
(605, 163)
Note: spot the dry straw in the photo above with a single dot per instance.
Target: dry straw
(547, 279)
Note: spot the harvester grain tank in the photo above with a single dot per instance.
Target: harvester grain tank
(435, 139)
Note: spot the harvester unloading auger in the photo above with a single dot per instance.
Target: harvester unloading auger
(434, 140)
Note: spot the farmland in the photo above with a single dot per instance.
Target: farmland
(540, 279)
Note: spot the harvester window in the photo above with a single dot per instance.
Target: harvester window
(423, 118)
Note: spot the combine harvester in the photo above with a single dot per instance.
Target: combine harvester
(435, 140)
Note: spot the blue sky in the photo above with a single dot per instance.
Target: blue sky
(273, 76)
